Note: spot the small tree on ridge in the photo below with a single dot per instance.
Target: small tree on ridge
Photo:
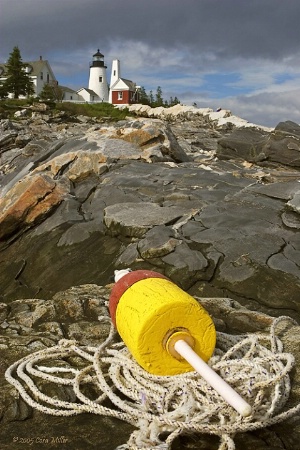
(52, 91)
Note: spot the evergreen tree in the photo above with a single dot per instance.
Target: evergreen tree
(47, 93)
(18, 81)
(158, 97)
(3, 91)
(175, 101)
(143, 97)
(151, 98)
(157, 100)
(51, 92)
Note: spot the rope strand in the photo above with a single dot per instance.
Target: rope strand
(254, 365)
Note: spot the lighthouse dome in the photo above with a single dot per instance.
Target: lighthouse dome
(98, 60)
(98, 54)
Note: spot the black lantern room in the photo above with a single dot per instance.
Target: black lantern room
(98, 60)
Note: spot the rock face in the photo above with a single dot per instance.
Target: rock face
(281, 146)
(145, 193)
(208, 200)
(30, 201)
(82, 200)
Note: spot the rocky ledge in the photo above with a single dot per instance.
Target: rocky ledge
(213, 204)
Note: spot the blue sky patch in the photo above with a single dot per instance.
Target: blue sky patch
(223, 85)
(281, 78)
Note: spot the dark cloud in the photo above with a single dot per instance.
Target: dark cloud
(188, 47)
(227, 28)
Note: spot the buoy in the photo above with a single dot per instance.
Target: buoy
(166, 330)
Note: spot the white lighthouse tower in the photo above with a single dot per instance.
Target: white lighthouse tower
(115, 75)
(97, 79)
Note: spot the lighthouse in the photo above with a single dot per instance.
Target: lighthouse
(97, 79)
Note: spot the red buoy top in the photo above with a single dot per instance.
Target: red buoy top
(124, 283)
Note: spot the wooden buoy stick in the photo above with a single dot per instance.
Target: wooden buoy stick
(212, 378)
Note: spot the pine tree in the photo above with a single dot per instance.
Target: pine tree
(143, 97)
(47, 93)
(151, 98)
(52, 92)
(158, 97)
(176, 101)
(18, 81)
(3, 91)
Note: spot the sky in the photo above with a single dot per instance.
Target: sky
(241, 55)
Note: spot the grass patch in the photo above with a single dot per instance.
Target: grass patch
(97, 110)
(12, 103)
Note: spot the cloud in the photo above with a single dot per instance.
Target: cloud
(228, 52)
(268, 108)
(226, 29)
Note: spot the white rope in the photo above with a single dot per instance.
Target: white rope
(254, 365)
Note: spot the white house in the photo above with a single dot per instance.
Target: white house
(39, 72)
(70, 95)
(87, 95)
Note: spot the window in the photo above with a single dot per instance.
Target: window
(42, 76)
(120, 95)
(114, 73)
(48, 78)
(100, 79)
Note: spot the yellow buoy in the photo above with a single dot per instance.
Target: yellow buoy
(151, 313)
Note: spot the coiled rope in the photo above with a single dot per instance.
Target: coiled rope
(255, 365)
